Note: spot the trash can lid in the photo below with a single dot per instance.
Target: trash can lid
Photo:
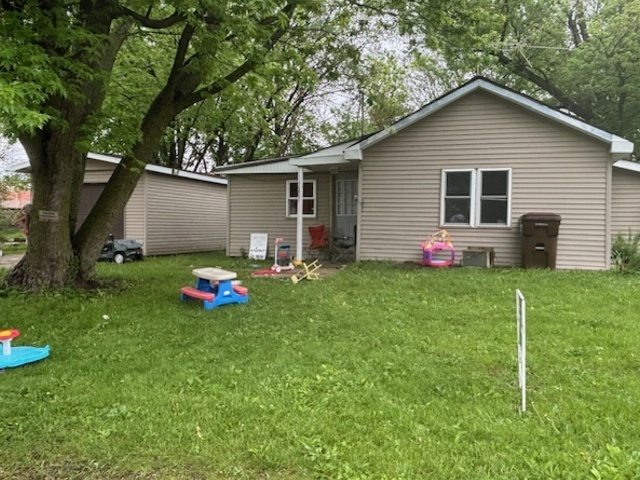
(541, 217)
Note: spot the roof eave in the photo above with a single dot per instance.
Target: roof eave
(620, 145)
(319, 161)
(25, 167)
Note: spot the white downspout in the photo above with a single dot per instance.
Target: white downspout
(299, 215)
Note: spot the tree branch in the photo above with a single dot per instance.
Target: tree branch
(144, 20)
(374, 8)
(190, 99)
(520, 69)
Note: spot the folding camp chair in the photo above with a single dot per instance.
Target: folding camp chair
(319, 242)
(344, 248)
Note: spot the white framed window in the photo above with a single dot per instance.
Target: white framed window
(308, 198)
(476, 197)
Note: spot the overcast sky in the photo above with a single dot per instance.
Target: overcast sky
(10, 155)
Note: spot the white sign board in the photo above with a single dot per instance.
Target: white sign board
(258, 246)
(521, 326)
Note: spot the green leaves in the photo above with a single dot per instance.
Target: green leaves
(580, 55)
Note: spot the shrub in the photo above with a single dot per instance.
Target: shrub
(625, 253)
(6, 223)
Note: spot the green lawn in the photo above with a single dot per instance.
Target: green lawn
(378, 372)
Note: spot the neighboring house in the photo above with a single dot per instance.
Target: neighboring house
(473, 162)
(170, 211)
(16, 199)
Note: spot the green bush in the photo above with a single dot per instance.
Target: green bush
(6, 224)
(625, 252)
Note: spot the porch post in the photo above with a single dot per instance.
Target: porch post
(299, 215)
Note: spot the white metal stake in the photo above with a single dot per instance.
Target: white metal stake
(521, 322)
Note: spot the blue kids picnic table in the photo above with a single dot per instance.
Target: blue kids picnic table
(215, 287)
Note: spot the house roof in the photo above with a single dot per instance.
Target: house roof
(25, 167)
(328, 156)
(269, 165)
(350, 151)
(333, 155)
(627, 165)
(617, 144)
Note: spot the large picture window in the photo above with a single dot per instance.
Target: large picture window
(480, 197)
(308, 198)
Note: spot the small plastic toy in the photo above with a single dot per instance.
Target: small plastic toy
(439, 241)
(308, 271)
(282, 257)
(16, 356)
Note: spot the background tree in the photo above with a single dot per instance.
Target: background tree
(579, 55)
(56, 60)
(273, 110)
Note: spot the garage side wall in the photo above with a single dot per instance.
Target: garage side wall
(184, 215)
(135, 213)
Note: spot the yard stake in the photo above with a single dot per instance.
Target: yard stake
(521, 327)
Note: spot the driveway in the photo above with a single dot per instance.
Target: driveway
(10, 260)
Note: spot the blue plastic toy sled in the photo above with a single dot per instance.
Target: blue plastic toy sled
(21, 355)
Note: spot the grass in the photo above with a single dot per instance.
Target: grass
(379, 372)
(8, 243)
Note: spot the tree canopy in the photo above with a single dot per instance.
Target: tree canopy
(579, 55)
(56, 62)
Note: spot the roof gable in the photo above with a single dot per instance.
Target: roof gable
(617, 144)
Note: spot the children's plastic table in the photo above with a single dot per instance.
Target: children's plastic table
(215, 286)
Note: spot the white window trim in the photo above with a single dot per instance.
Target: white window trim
(475, 195)
(315, 200)
(479, 197)
(443, 194)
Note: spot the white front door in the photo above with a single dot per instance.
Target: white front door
(346, 207)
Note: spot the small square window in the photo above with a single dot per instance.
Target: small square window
(308, 198)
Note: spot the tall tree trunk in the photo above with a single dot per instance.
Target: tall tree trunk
(57, 164)
(92, 234)
(57, 171)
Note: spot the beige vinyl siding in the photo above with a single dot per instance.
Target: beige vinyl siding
(258, 205)
(135, 213)
(554, 169)
(625, 202)
(97, 172)
(184, 215)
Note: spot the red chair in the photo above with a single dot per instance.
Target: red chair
(319, 241)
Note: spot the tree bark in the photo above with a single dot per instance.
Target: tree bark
(57, 256)
(57, 164)
(57, 171)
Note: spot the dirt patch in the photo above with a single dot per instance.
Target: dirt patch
(325, 270)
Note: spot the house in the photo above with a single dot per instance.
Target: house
(472, 162)
(170, 211)
(16, 199)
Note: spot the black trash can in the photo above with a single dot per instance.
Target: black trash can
(539, 239)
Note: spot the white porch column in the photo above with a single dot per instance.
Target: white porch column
(299, 215)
